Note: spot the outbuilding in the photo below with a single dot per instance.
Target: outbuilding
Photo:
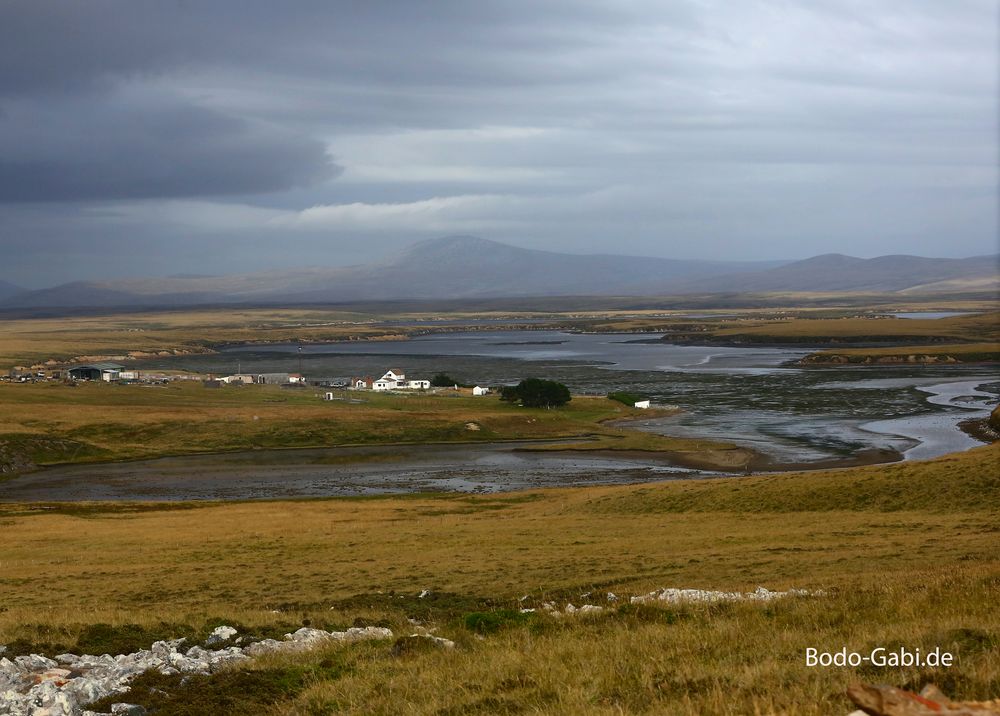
(96, 371)
(479, 390)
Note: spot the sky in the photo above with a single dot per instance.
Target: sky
(161, 137)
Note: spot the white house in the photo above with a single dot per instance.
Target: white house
(478, 390)
(238, 378)
(644, 404)
(392, 380)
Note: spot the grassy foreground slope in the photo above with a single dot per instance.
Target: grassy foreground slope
(906, 553)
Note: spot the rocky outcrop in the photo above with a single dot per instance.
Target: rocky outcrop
(34, 685)
(890, 701)
(679, 596)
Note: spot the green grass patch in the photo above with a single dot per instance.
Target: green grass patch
(497, 620)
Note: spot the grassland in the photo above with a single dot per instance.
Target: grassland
(48, 423)
(906, 554)
(946, 353)
(55, 340)
(28, 341)
(960, 339)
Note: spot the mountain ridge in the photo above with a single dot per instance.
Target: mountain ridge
(473, 267)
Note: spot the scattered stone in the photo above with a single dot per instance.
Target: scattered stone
(679, 596)
(553, 611)
(127, 710)
(220, 635)
(33, 685)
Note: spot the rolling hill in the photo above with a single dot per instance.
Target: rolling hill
(470, 267)
(8, 290)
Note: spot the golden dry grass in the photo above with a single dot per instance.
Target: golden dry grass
(36, 340)
(948, 352)
(907, 554)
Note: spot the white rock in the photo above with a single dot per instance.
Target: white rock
(34, 662)
(33, 685)
(221, 634)
(678, 596)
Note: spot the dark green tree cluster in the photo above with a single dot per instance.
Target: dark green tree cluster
(443, 380)
(536, 393)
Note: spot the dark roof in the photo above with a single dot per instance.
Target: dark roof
(98, 366)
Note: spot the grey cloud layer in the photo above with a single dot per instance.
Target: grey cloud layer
(808, 126)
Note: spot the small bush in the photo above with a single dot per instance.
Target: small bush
(492, 622)
(126, 638)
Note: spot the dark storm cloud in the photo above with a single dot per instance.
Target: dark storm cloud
(78, 148)
(694, 128)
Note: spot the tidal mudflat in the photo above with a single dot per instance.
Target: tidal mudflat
(756, 397)
(793, 416)
(271, 474)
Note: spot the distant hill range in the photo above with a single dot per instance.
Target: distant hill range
(7, 290)
(469, 267)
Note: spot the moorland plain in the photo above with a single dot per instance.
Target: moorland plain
(54, 340)
(891, 547)
(895, 555)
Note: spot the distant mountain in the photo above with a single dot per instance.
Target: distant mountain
(8, 289)
(836, 272)
(451, 267)
(469, 267)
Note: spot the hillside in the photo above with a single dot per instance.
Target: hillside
(866, 544)
(7, 290)
(470, 267)
(450, 267)
(836, 272)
